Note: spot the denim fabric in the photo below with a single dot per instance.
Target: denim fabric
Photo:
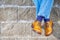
(43, 7)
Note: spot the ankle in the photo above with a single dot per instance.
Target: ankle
(40, 18)
(46, 20)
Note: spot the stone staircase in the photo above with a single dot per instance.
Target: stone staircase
(16, 17)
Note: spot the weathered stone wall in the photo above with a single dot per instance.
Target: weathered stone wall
(16, 17)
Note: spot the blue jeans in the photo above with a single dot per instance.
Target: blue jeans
(43, 7)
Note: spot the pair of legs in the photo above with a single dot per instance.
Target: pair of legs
(43, 9)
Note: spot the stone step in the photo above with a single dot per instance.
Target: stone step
(17, 2)
(18, 13)
(23, 39)
(21, 2)
(23, 30)
(19, 29)
(14, 14)
(48, 38)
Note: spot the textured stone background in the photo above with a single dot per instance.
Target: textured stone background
(16, 17)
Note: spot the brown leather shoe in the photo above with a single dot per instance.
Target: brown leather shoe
(48, 28)
(36, 25)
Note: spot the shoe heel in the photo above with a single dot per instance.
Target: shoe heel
(32, 26)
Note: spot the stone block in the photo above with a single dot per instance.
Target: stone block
(18, 2)
(8, 14)
(1, 2)
(54, 15)
(26, 13)
(19, 29)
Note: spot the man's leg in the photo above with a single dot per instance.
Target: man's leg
(48, 9)
(37, 23)
(48, 22)
(45, 8)
(44, 11)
